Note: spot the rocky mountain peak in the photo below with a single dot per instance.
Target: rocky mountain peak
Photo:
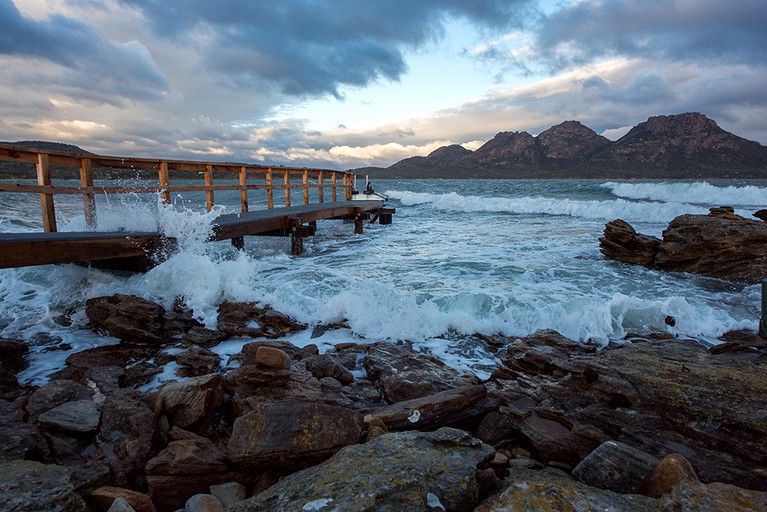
(570, 140)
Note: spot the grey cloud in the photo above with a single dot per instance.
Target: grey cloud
(94, 66)
(665, 29)
(314, 48)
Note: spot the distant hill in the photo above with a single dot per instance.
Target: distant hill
(26, 170)
(683, 146)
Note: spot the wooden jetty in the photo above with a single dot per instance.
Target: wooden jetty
(140, 250)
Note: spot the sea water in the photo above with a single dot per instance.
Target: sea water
(495, 257)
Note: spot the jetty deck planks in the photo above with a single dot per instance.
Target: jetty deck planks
(28, 249)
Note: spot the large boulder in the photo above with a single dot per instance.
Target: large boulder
(401, 471)
(294, 434)
(190, 404)
(721, 245)
(187, 467)
(35, 487)
(621, 242)
(128, 437)
(733, 248)
(402, 374)
(127, 317)
(658, 396)
(529, 490)
(250, 319)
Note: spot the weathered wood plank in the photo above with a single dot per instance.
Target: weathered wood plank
(42, 249)
(89, 199)
(46, 200)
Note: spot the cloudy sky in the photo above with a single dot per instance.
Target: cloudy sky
(350, 83)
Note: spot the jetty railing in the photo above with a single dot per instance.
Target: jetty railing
(272, 178)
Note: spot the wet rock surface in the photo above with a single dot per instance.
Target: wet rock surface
(721, 244)
(654, 424)
(401, 471)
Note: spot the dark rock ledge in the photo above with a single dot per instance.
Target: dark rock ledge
(649, 425)
(721, 244)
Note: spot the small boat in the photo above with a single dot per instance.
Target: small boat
(368, 194)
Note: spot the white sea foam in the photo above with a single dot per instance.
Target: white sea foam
(694, 193)
(587, 209)
(521, 258)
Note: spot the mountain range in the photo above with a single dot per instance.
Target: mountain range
(682, 146)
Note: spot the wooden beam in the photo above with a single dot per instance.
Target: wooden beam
(306, 186)
(89, 198)
(164, 181)
(208, 175)
(269, 189)
(244, 190)
(320, 195)
(287, 188)
(21, 251)
(46, 200)
(334, 195)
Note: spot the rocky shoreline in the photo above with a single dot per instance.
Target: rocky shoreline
(652, 424)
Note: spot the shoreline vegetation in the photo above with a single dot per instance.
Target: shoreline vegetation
(652, 423)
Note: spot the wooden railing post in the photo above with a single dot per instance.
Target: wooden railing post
(208, 174)
(306, 186)
(89, 198)
(287, 188)
(243, 190)
(269, 189)
(164, 182)
(46, 200)
(320, 196)
(334, 193)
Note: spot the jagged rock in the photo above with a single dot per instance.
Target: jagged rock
(77, 416)
(102, 498)
(249, 319)
(622, 243)
(128, 437)
(671, 470)
(495, 428)
(228, 493)
(438, 410)
(714, 497)
(289, 435)
(401, 374)
(615, 467)
(35, 487)
(204, 337)
(760, 214)
(658, 396)
(105, 365)
(127, 317)
(326, 365)
(187, 467)
(551, 489)
(54, 394)
(9, 384)
(20, 440)
(12, 354)
(398, 471)
(725, 246)
(197, 361)
(190, 404)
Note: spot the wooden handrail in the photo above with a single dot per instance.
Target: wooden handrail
(89, 164)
